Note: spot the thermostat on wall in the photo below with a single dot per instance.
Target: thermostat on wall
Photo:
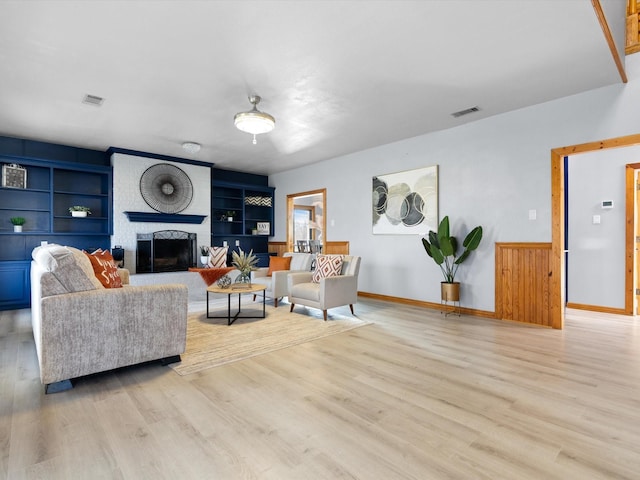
(607, 204)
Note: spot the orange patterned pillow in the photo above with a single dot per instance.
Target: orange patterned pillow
(105, 268)
(327, 266)
(278, 263)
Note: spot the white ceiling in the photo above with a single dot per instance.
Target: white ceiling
(338, 76)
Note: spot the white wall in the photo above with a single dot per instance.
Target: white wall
(596, 261)
(127, 170)
(491, 173)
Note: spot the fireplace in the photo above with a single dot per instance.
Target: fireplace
(166, 251)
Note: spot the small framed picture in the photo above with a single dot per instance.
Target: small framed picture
(264, 228)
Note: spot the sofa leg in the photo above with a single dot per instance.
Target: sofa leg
(56, 387)
(275, 303)
(167, 360)
(292, 305)
(254, 297)
(324, 312)
(351, 307)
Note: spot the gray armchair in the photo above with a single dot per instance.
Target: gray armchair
(276, 284)
(331, 292)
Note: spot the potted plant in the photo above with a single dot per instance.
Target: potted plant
(79, 211)
(17, 223)
(230, 215)
(443, 249)
(246, 263)
(204, 255)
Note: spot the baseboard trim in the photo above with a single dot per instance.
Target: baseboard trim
(431, 305)
(599, 309)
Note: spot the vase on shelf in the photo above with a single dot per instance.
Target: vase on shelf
(17, 228)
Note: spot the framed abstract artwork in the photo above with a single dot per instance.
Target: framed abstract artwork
(405, 203)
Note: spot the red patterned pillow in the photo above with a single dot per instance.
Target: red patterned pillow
(278, 263)
(105, 268)
(217, 257)
(327, 266)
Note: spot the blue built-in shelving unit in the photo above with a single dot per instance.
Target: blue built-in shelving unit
(58, 177)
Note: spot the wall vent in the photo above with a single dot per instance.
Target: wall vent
(93, 100)
(465, 112)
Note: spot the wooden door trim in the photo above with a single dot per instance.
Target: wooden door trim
(557, 217)
(630, 237)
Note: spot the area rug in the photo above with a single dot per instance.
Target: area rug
(211, 342)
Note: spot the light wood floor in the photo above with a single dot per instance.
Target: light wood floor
(414, 396)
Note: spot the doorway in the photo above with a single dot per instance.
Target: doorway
(557, 274)
(306, 221)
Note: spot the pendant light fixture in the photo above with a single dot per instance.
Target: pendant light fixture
(254, 121)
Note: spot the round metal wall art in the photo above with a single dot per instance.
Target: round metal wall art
(166, 188)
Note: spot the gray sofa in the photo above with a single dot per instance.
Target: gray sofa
(81, 328)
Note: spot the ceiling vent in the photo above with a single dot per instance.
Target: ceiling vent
(465, 112)
(93, 100)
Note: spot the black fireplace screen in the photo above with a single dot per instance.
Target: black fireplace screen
(166, 251)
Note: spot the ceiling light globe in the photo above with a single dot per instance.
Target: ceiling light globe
(254, 122)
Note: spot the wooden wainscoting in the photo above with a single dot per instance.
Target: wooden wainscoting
(278, 248)
(336, 248)
(523, 273)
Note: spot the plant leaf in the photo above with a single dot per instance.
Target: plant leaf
(437, 255)
(448, 246)
(427, 247)
(443, 228)
(433, 238)
(462, 257)
(472, 240)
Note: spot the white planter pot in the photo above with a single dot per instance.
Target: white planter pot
(17, 228)
(204, 261)
(229, 219)
(78, 214)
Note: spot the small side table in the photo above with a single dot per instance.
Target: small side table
(253, 288)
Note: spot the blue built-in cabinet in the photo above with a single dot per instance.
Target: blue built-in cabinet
(58, 177)
(249, 199)
(14, 284)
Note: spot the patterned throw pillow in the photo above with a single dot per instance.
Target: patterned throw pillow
(278, 263)
(105, 268)
(327, 266)
(217, 257)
